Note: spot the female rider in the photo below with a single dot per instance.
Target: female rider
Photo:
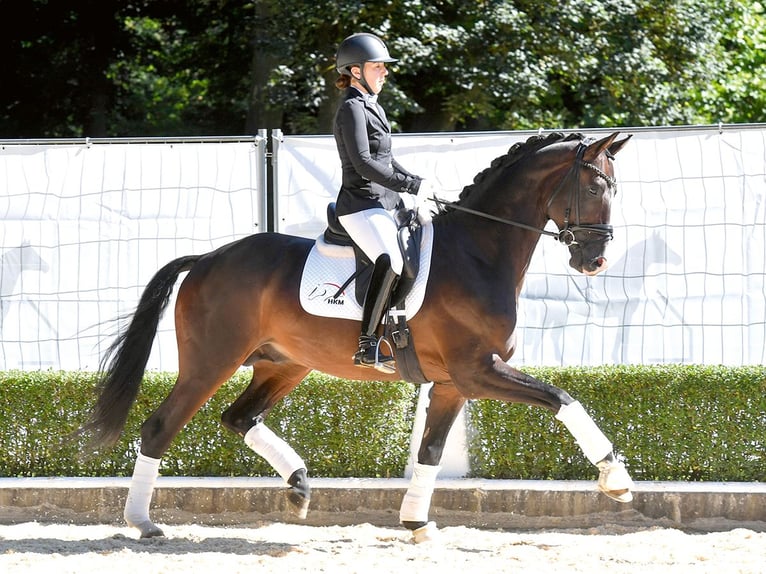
(372, 181)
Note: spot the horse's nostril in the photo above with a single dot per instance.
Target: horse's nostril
(600, 263)
(596, 266)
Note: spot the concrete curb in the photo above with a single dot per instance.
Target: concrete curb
(511, 504)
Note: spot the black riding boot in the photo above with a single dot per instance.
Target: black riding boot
(376, 303)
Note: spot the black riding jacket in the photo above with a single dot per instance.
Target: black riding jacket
(371, 175)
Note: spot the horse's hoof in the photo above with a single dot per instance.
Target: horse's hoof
(297, 504)
(615, 482)
(149, 530)
(427, 533)
(299, 494)
(623, 496)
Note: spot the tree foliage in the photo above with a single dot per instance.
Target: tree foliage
(229, 67)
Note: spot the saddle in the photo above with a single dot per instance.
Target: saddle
(409, 237)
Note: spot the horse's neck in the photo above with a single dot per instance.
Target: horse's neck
(512, 239)
(507, 249)
(512, 195)
(525, 258)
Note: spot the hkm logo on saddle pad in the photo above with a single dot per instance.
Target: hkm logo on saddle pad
(329, 266)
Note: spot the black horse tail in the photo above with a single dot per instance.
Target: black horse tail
(123, 365)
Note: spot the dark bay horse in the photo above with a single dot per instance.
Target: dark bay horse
(239, 305)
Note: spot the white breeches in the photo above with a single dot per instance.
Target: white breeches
(375, 232)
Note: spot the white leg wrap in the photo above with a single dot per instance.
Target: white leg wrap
(615, 482)
(417, 500)
(595, 446)
(141, 489)
(276, 451)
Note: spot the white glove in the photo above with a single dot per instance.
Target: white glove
(427, 189)
(425, 206)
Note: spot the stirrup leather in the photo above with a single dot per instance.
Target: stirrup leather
(370, 355)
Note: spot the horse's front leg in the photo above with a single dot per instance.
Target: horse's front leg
(511, 385)
(444, 406)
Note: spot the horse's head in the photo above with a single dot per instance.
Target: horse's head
(581, 204)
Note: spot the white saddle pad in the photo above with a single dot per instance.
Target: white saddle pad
(329, 266)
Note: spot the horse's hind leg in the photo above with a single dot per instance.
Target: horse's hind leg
(271, 382)
(157, 432)
(444, 406)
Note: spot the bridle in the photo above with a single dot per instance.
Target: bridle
(567, 234)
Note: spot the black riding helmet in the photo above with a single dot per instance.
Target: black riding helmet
(358, 49)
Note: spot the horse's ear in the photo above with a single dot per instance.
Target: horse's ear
(598, 147)
(617, 146)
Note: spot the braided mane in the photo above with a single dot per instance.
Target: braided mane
(517, 152)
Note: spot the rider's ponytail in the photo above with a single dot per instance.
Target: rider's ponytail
(343, 82)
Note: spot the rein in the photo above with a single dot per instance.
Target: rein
(566, 235)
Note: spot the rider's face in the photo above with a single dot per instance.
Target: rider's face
(375, 73)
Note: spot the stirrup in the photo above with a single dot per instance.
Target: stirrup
(369, 355)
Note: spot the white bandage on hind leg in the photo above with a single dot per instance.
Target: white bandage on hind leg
(595, 446)
(276, 451)
(417, 499)
(141, 488)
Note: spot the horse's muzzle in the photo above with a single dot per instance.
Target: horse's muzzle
(587, 260)
(595, 266)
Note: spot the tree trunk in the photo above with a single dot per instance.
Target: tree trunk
(260, 115)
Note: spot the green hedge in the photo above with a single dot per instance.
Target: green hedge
(340, 428)
(672, 422)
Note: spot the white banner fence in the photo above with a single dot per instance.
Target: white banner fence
(84, 225)
(686, 282)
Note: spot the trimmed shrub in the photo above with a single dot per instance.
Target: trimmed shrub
(670, 422)
(340, 428)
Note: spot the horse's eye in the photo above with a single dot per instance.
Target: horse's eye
(593, 190)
